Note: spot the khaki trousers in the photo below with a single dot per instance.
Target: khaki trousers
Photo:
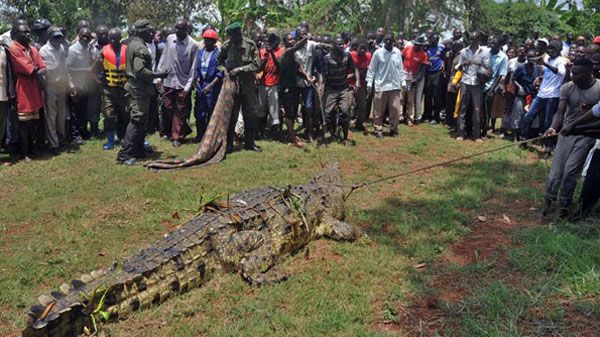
(392, 100)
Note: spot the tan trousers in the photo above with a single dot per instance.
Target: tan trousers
(392, 100)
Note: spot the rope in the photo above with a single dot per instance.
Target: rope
(357, 186)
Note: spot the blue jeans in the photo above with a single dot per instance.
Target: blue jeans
(549, 107)
(307, 96)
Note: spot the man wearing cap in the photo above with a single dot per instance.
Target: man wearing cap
(472, 59)
(268, 97)
(415, 62)
(179, 60)
(138, 90)
(576, 98)
(39, 30)
(113, 76)
(54, 53)
(239, 60)
(548, 95)
(208, 81)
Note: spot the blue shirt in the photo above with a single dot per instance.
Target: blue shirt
(437, 55)
(499, 64)
(526, 79)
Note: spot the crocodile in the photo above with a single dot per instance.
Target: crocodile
(247, 233)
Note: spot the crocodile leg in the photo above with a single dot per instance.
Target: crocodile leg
(257, 267)
(338, 230)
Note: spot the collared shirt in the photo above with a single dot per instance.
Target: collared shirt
(245, 56)
(306, 56)
(437, 55)
(79, 65)
(551, 82)
(179, 59)
(480, 56)
(138, 66)
(5, 38)
(386, 69)
(56, 63)
(3, 79)
(499, 64)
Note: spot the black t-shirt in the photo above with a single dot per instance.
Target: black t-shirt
(336, 72)
(288, 71)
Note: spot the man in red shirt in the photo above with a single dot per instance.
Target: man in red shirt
(361, 59)
(27, 65)
(269, 80)
(415, 61)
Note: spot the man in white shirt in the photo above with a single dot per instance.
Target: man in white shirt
(548, 95)
(386, 73)
(55, 55)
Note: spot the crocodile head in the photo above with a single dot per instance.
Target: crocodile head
(331, 186)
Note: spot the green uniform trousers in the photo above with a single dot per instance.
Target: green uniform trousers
(116, 115)
(132, 146)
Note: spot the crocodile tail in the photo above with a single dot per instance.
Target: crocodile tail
(66, 311)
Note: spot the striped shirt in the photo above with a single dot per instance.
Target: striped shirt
(336, 72)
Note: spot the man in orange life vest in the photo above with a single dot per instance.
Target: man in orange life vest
(113, 78)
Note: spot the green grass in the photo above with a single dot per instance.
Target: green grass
(76, 212)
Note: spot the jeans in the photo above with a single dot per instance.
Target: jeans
(546, 105)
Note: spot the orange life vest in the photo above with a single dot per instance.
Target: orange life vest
(115, 74)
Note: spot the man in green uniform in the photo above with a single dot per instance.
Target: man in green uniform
(239, 60)
(138, 90)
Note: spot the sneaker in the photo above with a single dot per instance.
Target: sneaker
(460, 139)
(130, 162)
(410, 123)
(393, 133)
(478, 140)
(433, 122)
(176, 143)
(379, 134)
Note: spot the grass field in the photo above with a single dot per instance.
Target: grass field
(456, 251)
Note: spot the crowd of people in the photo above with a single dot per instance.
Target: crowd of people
(298, 87)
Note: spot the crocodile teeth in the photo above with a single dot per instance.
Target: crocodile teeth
(45, 300)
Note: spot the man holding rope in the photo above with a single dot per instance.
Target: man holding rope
(576, 98)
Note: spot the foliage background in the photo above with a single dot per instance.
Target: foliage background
(516, 17)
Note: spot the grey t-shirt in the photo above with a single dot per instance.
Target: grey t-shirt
(575, 97)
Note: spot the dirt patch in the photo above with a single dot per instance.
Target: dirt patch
(485, 247)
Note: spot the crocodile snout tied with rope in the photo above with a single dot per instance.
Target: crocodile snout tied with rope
(247, 234)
